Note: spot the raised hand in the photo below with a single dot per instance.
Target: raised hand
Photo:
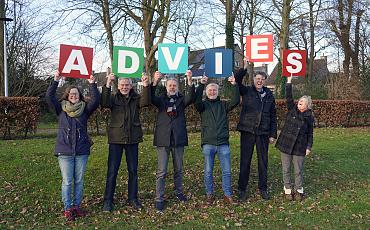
(189, 76)
(91, 80)
(156, 77)
(57, 76)
(204, 80)
(231, 79)
(289, 79)
(144, 79)
(110, 79)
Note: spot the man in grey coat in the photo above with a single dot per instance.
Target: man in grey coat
(170, 135)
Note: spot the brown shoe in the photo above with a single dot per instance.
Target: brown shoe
(209, 199)
(228, 200)
(69, 214)
(288, 197)
(299, 196)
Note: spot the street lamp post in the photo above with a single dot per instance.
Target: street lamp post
(5, 58)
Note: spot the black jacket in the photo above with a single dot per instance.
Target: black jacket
(215, 122)
(121, 130)
(297, 133)
(257, 116)
(167, 126)
(72, 136)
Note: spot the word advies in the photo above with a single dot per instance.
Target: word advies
(76, 61)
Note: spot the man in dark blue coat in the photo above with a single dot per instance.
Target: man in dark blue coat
(257, 126)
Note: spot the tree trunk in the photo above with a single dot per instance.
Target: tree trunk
(2, 80)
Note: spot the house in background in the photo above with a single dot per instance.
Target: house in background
(320, 73)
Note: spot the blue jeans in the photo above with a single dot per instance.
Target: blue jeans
(73, 171)
(223, 153)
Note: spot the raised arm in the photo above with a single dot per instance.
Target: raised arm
(289, 93)
(190, 95)
(235, 98)
(153, 98)
(199, 105)
(50, 94)
(145, 96)
(106, 98)
(93, 104)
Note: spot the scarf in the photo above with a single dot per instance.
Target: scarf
(73, 110)
(171, 107)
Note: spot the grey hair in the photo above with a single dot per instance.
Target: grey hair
(263, 74)
(309, 101)
(172, 79)
(125, 78)
(212, 84)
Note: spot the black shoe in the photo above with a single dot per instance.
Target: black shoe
(181, 197)
(242, 196)
(135, 203)
(159, 205)
(265, 195)
(108, 206)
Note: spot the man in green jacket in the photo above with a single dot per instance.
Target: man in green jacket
(124, 133)
(215, 134)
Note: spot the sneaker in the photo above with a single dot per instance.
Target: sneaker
(135, 203)
(108, 206)
(78, 212)
(228, 200)
(159, 205)
(209, 199)
(265, 195)
(69, 214)
(300, 196)
(242, 196)
(181, 197)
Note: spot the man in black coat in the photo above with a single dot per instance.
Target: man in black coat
(257, 126)
(170, 135)
(124, 133)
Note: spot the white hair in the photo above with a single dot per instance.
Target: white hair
(172, 79)
(212, 84)
(308, 99)
(125, 78)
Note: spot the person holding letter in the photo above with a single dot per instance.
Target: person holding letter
(257, 126)
(124, 133)
(215, 135)
(170, 135)
(295, 141)
(73, 142)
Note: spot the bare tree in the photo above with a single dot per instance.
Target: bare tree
(341, 23)
(153, 17)
(29, 50)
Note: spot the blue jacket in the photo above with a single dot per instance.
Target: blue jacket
(72, 136)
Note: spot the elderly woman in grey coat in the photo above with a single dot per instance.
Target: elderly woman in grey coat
(295, 141)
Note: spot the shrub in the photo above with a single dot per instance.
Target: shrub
(18, 115)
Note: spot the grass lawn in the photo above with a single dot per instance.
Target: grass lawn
(336, 183)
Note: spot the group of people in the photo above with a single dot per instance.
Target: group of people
(257, 127)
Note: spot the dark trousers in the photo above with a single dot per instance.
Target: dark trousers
(114, 161)
(247, 142)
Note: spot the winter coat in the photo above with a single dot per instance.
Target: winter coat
(121, 130)
(297, 133)
(167, 126)
(258, 115)
(72, 136)
(215, 122)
